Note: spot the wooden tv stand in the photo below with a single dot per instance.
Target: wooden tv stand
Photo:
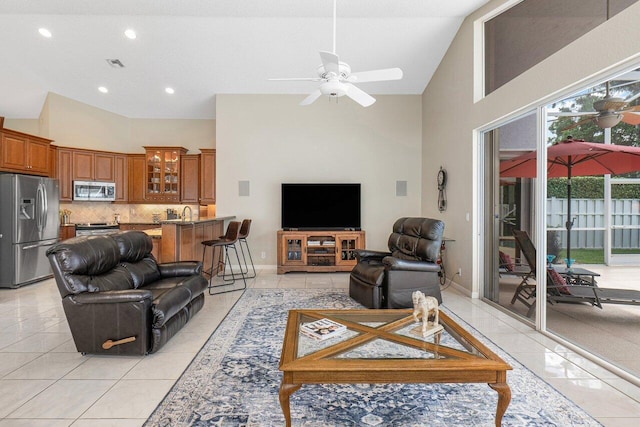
(318, 251)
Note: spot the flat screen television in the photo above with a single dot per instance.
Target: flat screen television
(320, 206)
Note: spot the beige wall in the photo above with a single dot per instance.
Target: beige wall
(73, 124)
(270, 139)
(30, 126)
(450, 116)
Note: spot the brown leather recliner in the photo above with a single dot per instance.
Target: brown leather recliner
(387, 279)
(117, 299)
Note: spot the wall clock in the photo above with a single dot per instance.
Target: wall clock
(442, 194)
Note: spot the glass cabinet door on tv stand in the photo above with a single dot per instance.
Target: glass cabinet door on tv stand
(347, 244)
(295, 249)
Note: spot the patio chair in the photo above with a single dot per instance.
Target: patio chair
(558, 290)
(514, 267)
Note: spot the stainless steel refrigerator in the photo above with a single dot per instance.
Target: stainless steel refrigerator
(29, 225)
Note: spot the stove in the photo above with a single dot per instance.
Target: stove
(96, 229)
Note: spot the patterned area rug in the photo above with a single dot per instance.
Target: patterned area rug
(234, 381)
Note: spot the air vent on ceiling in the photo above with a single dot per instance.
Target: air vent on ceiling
(115, 63)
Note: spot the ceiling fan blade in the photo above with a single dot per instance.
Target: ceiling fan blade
(360, 96)
(613, 105)
(376, 75)
(312, 97)
(630, 109)
(576, 124)
(631, 118)
(331, 62)
(297, 79)
(572, 114)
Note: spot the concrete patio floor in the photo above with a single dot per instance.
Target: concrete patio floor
(612, 333)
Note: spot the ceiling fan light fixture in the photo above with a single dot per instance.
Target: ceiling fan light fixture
(334, 88)
(607, 120)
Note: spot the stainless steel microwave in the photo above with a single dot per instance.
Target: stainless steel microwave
(94, 191)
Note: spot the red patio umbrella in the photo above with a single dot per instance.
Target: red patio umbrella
(575, 157)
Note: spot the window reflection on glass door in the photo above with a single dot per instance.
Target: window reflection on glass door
(509, 203)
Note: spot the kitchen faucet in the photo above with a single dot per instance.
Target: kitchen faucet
(184, 213)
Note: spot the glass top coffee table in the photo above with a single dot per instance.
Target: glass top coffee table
(381, 346)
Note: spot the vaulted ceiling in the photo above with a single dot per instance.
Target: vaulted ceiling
(201, 48)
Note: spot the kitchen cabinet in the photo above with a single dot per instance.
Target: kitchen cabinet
(138, 227)
(63, 173)
(67, 231)
(82, 167)
(87, 165)
(120, 173)
(190, 178)
(207, 176)
(20, 152)
(136, 164)
(162, 182)
(104, 167)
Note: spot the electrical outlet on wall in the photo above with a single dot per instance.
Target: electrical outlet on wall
(263, 254)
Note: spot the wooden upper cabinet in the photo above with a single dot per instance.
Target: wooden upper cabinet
(20, 152)
(120, 177)
(64, 175)
(136, 177)
(207, 176)
(82, 168)
(104, 167)
(190, 178)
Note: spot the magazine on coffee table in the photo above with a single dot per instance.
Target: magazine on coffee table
(322, 329)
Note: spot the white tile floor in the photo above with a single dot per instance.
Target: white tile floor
(45, 382)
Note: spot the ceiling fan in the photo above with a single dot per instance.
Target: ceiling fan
(338, 80)
(610, 111)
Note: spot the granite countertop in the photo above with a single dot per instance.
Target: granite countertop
(155, 233)
(139, 223)
(197, 221)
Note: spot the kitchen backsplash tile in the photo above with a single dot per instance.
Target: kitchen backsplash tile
(82, 212)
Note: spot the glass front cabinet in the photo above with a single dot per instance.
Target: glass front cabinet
(347, 245)
(162, 174)
(294, 249)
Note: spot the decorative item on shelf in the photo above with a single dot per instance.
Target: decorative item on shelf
(65, 216)
(427, 307)
(550, 259)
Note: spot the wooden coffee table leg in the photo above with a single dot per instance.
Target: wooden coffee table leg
(287, 390)
(504, 397)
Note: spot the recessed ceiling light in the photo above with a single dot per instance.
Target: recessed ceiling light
(44, 32)
(169, 90)
(130, 34)
(103, 89)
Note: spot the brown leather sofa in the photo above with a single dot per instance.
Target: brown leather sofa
(387, 279)
(117, 299)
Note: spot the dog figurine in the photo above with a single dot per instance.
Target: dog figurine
(427, 306)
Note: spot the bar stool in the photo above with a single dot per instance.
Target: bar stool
(224, 243)
(242, 238)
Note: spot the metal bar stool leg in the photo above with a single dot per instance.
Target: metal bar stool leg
(227, 279)
(239, 266)
(240, 241)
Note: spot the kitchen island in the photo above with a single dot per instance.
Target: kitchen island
(182, 240)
